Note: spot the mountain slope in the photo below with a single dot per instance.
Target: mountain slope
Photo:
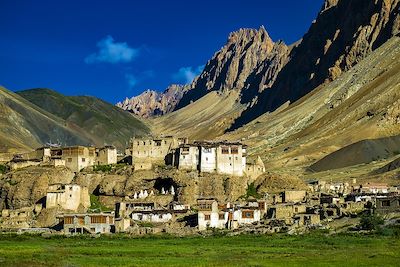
(344, 33)
(361, 152)
(363, 103)
(98, 121)
(24, 126)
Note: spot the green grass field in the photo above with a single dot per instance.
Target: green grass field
(277, 250)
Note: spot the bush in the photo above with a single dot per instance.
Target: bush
(371, 222)
(95, 204)
(252, 191)
(102, 168)
(3, 169)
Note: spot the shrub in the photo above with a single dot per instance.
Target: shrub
(102, 168)
(3, 169)
(252, 191)
(371, 222)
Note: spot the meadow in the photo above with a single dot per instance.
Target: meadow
(245, 250)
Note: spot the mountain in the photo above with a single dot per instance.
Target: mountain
(24, 126)
(152, 103)
(344, 33)
(248, 55)
(92, 120)
(362, 104)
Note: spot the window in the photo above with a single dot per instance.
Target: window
(230, 158)
(207, 217)
(83, 159)
(68, 220)
(385, 203)
(206, 159)
(234, 150)
(160, 216)
(248, 214)
(225, 150)
(206, 150)
(69, 159)
(144, 143)
(222, 216)
(98, 219)
(296, 209)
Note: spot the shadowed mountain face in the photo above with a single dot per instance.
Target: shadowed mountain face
(24, 126)
(344, 33)
(87, 120)
(362, 152)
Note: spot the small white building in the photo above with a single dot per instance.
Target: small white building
(78, 157)
(228, 216)
(213, 157)
(67, 197)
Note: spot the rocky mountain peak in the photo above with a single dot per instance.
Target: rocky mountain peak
(235, 63)
(152, 103)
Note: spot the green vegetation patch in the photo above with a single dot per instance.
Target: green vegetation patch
(3, 169)
(247, 250)
(102, 168)
(96, 206)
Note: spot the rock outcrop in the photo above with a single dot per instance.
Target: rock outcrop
(28, 186)
(151, 103)
(247, 56)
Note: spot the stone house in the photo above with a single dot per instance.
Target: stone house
(306, 219)
(78, 157)
(389, 204)
(286, 211)
(67, 197)
(106, 155)
(212, 157)
(146, 212)
(153, 149)
(19, 218)
(255, 168)
(212, 215)
(293, 196)
(92, 223)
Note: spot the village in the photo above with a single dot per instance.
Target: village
(158, 210)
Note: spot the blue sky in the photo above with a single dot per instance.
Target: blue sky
(117, 49)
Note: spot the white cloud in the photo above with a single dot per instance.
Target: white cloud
(187, 74)
(132, 80)
(112, 52)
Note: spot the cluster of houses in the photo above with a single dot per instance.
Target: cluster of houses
(75, 158)
(221, 157)
(290, 209)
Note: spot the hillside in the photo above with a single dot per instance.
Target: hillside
(24, 126)
(363, 103)
(96, 120)
(265, 76)
(343, 34)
